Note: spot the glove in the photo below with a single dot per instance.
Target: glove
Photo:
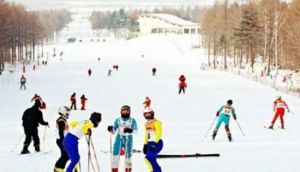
(89, 133)
(128, 130)
(217, 114)
(234, 117)
(145, 149)
(110, 128)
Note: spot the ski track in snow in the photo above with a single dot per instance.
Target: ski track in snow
(185, 118)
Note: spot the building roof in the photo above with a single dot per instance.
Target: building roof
(171, 19)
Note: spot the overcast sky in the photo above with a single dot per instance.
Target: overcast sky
(41, 4)
(111, 4)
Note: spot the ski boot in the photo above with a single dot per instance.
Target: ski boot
(282, 126)
(127, 169)
(229, 136)
(25, 150)
(37, 148)
(115, 170)
(271, 126)
(214, 134)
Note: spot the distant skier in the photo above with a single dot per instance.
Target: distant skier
(73, 101)
(37, 97)
(182, 86)
(79, 129)
(63, 128)
(24, 69)
(182, 78)
(279, 107)
(147, 102)
(23, 82)
(61, 53)
(224, 114)
(117, 67)
(153, 143)
(125, 126)
(31, 118)
(109, 72)
(33, 67)
(89, 71)
(153, 71)
(83, 101)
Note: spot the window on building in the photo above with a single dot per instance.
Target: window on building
(198, 31)
(154, 30)
(193, 31)
(186, 30)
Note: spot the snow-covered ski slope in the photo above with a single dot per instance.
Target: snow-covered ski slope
(185, 118)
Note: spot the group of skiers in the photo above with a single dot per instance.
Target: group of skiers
(73, 100)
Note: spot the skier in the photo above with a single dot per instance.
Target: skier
(24, 69)
(147, 102)
(117, 67)
(31, 118)
(37, 97)
(224, 114)
(73, 101)
(182, 78)
(33, 67)
(78, 129)
(63, 127)
(89, 71)
(152, 141)
(279, 107)
(182, 86)
(83, 100)
(109, 72)
(153, 71)
(125, 126)
(23, 82)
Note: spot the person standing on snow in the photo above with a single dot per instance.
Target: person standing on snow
(279, 107)
(125, 126)
(63, 128)
(182, 86)
(78, 129)
(224, 114)
(89, 71)
(109, 72)
(153, 71)
(83, 100)
(147, 102)
(73, 101)
(23, 82)
(31, 118)
(153, 143)
(37, 97)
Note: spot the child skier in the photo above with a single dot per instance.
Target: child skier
(125, 126)
(147, 102)
(224, 114)
(182, 86)
(89, 71)
(73, 101)
(37, 97)
(152, 141)
(63, 128)
(279, 107)
(78, 130)
(153, 71)
(83, 100)
(23, 82)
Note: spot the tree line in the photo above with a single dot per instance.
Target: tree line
(265, 31)
(21, 31)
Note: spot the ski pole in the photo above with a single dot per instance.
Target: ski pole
(126, 150)
(210, 127)
(240, 128)
(89, 154)
(95, 154)
(44, 137)
(110, 149)
(21, 138)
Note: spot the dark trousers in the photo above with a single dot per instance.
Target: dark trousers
(64, 158)
(182, 89)
(23, 86)
(31, 133)
(73, 105)
(152, 155)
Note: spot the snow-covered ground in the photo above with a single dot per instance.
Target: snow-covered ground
(185, 118)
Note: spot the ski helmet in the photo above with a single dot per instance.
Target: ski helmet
(148, 113)
(64, 111)
(95, 118)
(229, 102)
(123, 108)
